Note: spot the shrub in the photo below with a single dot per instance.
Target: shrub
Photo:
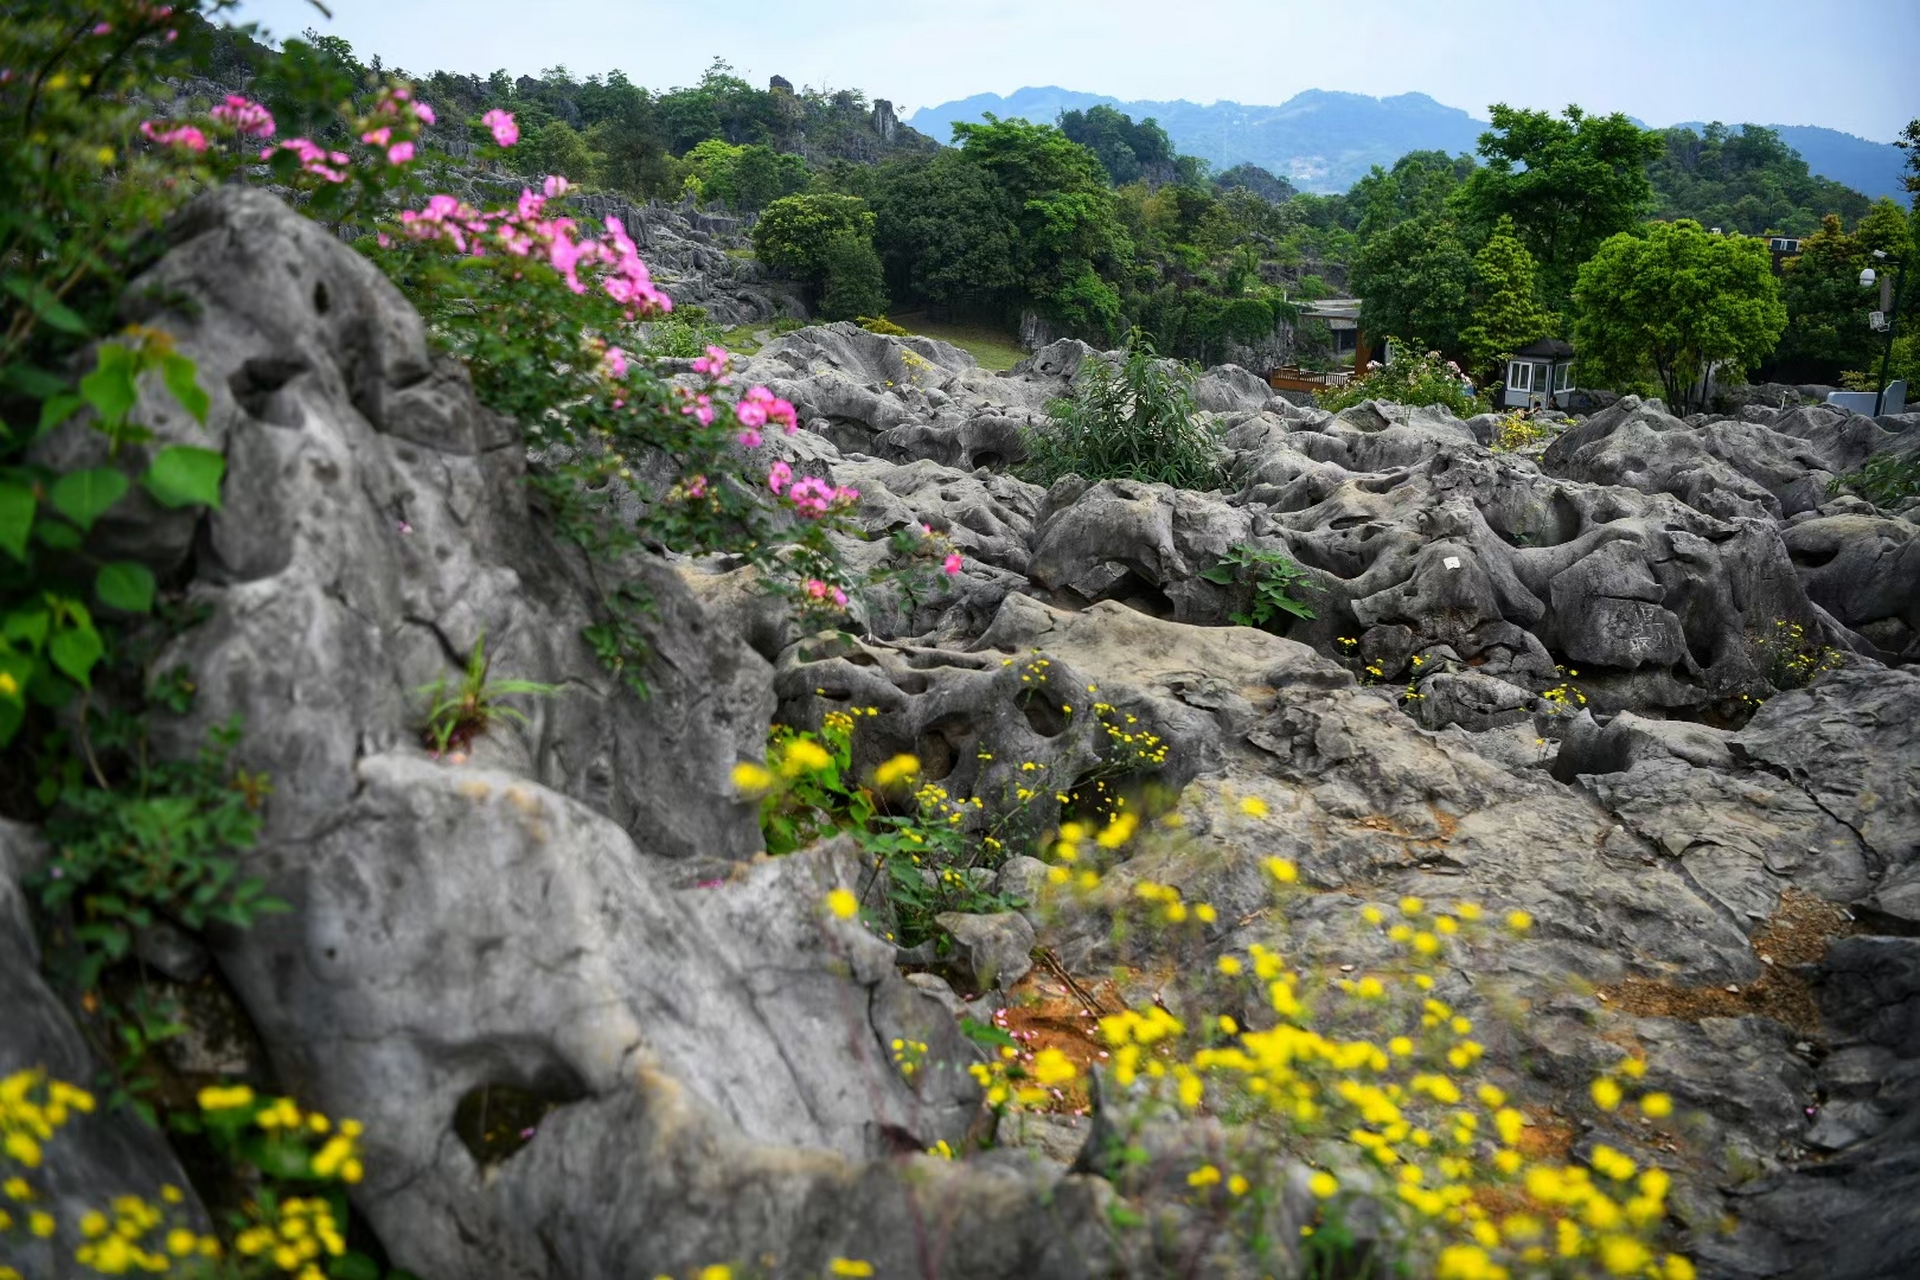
(883, 326)
(855, 285)
(1516, 431)
(1886, 480)
(1131, 422)
(1410, 380)
(1269, 577)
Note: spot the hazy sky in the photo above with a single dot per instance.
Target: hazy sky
(1664, 61)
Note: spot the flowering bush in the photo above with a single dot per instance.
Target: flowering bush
(290, 1220)
(1409, 379)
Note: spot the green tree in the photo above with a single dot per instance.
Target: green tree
(946, 234)
(1679, 302)
(855, 285)
(1568, 183)
(556, 148)
(1415, 281)
(1069, 246)
(804, 237)
(1507, 314)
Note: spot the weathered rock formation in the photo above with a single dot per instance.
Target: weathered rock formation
(577, 916)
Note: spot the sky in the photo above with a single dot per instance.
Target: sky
(1661, 61)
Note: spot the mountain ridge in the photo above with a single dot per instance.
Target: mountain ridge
(1324, 140)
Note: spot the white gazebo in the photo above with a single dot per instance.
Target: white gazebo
(1540, 375)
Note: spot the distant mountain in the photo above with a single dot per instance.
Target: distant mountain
(1323, 141)
(1318, 140)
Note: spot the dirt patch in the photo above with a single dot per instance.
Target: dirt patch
(1043, 1012)
(1798, 933)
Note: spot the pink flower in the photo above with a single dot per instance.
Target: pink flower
(377, 137)
(697, 487)
(840, 597)
(714, 363)
(760, 406)
(186, 137)
(616, 362)
(779, 476)
(812, 496)
(244, 117)
(816, 588)
(400, 153)
(750, 438)
(952, 566)
(505, 131)
(423, 113)
(555, 185)
(103, 28)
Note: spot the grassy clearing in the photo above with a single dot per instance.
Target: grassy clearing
(995, 349)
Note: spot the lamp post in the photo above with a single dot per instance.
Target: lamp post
(1890, 296)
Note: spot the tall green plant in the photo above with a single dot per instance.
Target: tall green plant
(1130, 421)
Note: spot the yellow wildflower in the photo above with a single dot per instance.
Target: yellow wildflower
(849, 1267)
(1254, 807)
(898, 769)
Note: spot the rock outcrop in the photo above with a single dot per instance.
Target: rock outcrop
(576, 916)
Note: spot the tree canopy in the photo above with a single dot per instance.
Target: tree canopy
(1679, 302)
(1568, 182)
(1507, 314)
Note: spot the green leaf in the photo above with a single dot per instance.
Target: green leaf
(57, 534)
(125, 586)
(178, 372)
(57, 409)
(184, 475)
(16, 518)
(985, 1033)
(75, 650)
(110, 387)
(84, 496)
(46, 306)
(26, 627)
(1220, 573)
(32, 382)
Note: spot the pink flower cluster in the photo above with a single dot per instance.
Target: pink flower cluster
(185, 137)
(713, 364)
(759, 407)
(248, 119)
(525, 230)
(819, 590)
(329, 166)
(813, 497)
(505, 131)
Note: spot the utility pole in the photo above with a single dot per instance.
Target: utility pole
(1892, 309)
(1891, 293)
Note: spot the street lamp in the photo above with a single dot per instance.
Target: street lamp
(1882, 320)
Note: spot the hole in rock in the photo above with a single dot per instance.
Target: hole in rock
(1041, 707)
(1137, 593)
(255, 383)
(989, 459)
(1383, 484)
(941, 744)
(496, 1119)
(911, 682)
(322, 300)
(1812, 557)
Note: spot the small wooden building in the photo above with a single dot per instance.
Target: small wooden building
(1540, 375)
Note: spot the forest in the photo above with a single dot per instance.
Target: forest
(1094, 226)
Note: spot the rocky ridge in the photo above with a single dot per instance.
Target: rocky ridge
(576, 914)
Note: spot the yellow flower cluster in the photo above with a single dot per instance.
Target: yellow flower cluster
(131, 1240)
(1448, 1153)
(31, 1108)
(294, 1237)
